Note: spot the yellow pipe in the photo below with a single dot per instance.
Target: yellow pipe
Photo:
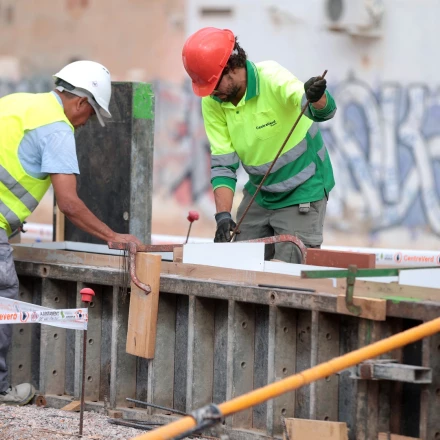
(321, 371)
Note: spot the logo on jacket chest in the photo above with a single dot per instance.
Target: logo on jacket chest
(267, 124)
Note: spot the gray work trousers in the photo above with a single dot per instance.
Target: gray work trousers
(260, 222)
(8, 289)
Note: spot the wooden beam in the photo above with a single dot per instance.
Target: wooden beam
(60, 222)
(75, 405)
(142, 316)
(372, 308)
(374, 289)
(248, 277)
(341, 259)
(178, 254)
(303, 429)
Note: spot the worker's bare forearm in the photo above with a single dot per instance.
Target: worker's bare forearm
(75, 210)
(321, 103)
(223, 197)
(78, 213)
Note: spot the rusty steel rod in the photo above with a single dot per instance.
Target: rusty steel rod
(234, 232)
(83, 383)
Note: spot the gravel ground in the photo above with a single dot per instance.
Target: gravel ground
(33, 422)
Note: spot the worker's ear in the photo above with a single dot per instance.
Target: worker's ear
(81, 103)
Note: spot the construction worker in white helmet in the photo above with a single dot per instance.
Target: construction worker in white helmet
(37, 149)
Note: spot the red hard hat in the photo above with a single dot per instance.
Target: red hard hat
(205, 55)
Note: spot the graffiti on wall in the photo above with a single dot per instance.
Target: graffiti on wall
(385, 147)
(384, 143)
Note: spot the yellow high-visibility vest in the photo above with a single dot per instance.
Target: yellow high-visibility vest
(20, 193)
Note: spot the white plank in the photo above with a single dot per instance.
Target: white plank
(420, 278)
(295, 269)
(244, 256)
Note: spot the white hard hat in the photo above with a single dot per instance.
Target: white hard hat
(90, 80)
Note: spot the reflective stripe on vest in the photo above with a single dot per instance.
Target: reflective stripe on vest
(229, 159)
(20, 192)
(292, 183)
(321, 153)
(11, 218)
(289, 157)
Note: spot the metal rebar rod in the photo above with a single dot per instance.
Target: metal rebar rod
(153, 405)
(237, 227)
(83, 383)
(189, 230)
(137, 425)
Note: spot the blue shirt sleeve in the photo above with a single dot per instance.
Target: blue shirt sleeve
(49, 149)
(58, 153)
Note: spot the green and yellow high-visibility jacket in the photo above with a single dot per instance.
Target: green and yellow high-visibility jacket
(20, 193)
(253, 131)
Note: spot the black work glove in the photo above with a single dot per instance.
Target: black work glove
(225, 225)
(315, 88)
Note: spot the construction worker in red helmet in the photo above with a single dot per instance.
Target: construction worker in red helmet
(248, 110)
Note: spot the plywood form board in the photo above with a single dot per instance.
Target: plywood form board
(372, 308)
(301, 429)
(142, 318)
(390, 291)
(59, 256)
(245, 276)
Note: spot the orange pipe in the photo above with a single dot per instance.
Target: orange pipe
(321, 371)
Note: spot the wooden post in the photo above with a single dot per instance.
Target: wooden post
(60, 221)
(142, 317)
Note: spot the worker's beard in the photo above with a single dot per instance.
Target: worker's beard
(230, 94)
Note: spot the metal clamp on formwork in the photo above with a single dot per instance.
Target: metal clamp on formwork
(205, 417)
(389, 369)
(349, 291)
(350, 274)
(132, 248)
